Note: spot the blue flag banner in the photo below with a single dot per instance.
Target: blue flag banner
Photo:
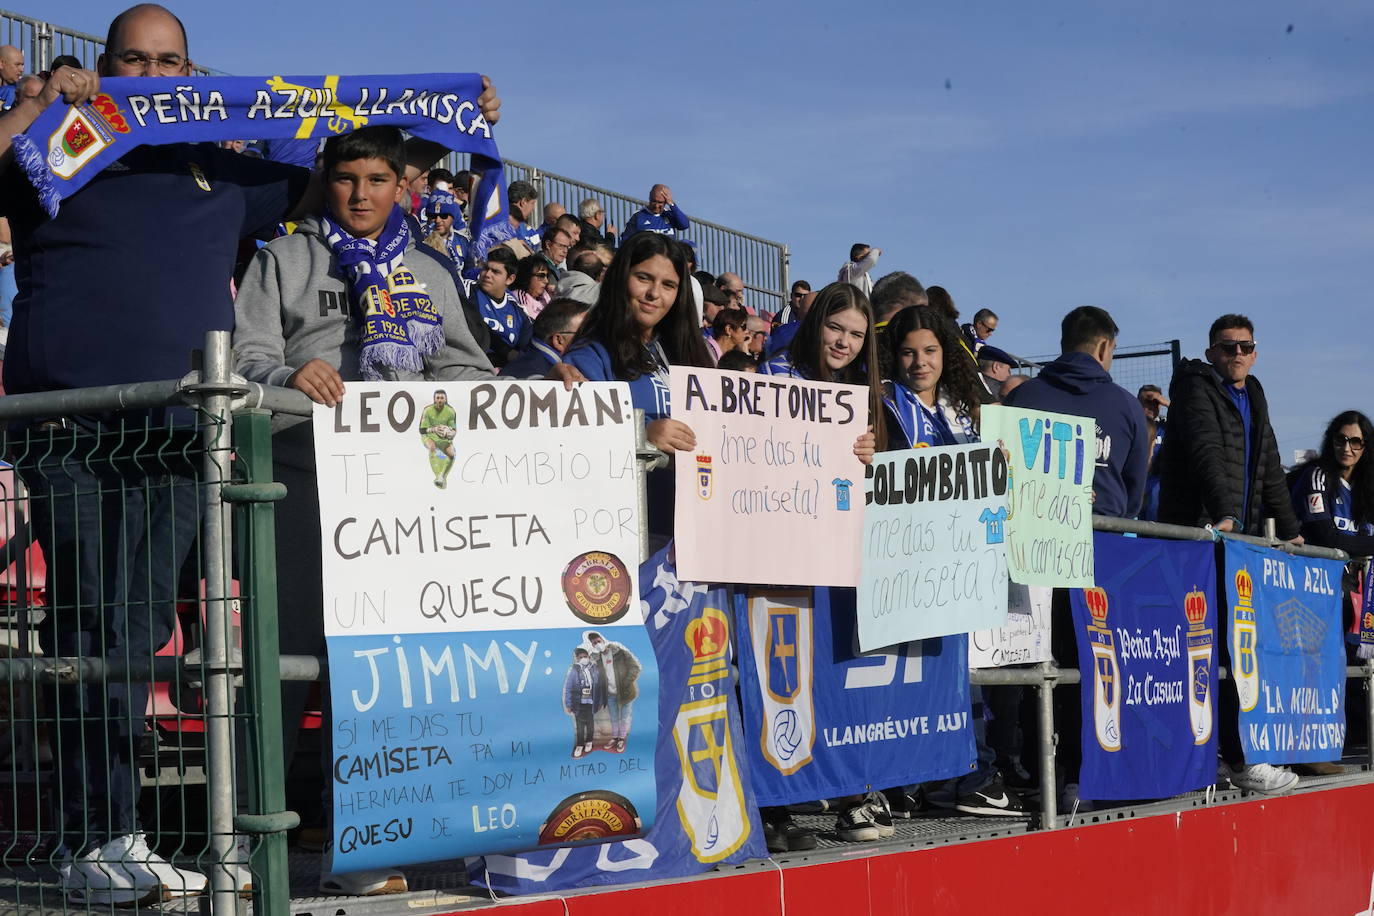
(1286, 654)
(823, 720)
(707, 814)
(69, 144)
(1148, 634)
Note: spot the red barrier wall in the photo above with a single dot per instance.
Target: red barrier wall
(1310, 853)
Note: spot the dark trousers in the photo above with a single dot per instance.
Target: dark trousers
(583, 727)
(116, 522)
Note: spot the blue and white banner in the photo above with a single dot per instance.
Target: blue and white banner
(707, 815)
(822, 720)
(68, 145)
(1287, 656)
(487, 653)
(1147, 647)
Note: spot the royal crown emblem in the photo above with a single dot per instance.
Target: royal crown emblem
(1195, 608)
(1096, 599)
(1245, 586)
(708, 636)
(111, 113)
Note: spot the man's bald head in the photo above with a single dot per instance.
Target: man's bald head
(11, 64)
(151, 30)
(28, 87)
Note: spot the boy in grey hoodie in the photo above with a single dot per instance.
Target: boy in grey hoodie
(302, 321)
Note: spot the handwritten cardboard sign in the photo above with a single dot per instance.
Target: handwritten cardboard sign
(1024, 639)
(486, 641)
(774, 465)
(934, 544)
(1049, 503)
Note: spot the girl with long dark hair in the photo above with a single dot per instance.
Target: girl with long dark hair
(931, 394)
(836, 343)
(1333, 494)
(645, 321)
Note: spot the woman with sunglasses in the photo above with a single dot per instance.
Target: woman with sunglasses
(1333, 494)
(533, 286)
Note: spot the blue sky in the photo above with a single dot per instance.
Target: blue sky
(1168, 161)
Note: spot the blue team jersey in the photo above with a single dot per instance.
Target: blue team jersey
(1314, 502)
(507, 320)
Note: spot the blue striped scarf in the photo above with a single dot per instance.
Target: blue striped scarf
(400, 327)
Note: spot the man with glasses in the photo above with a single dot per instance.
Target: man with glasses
(977, 332)
(795, 307)
(1220, 466)
(661, 215)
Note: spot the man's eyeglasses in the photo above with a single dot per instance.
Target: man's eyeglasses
(1356, 443)
(139, 61)
(1231, 347)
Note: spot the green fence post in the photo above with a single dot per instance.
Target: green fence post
(262, 672)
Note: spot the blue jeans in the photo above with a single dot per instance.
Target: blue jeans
(622, 713)
(115, 530)
(8, 290)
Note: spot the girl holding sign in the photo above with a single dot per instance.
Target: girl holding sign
(644, 322)
(836, 343)
(932, 400)
(932, 397)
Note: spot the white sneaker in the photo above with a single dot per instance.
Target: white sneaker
(1263, 778)
(369, 882)
(125, 872)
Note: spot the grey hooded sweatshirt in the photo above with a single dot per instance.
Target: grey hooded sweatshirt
(293, 306)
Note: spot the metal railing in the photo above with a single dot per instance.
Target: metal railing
(762, 264)
(227, 687)
(42, 41)
(1132, 366)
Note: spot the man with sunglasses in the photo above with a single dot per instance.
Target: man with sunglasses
(1220, 466)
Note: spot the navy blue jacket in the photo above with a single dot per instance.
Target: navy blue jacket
(1075, 383)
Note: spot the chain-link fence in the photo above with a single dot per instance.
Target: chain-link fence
(122, 614)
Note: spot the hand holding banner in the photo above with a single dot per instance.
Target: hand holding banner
(774, 455)
(1049, 521)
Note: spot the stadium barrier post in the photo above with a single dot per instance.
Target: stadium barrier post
(269, 820)
(1049, 799)
(213, 394)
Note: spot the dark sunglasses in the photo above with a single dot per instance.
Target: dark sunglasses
(1356, 443)
(1230, 347)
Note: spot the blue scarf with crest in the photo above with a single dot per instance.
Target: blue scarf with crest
(69, 144)
(401, 326)
(921, 425)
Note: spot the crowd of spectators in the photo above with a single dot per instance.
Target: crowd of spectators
(566, 298)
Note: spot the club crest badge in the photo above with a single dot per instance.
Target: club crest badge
(1106, 672)
(1244, 631)
(1199, 666)
(704, 485)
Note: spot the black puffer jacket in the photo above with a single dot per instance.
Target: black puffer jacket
(1201, 465)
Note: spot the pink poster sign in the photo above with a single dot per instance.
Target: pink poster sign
(773, 494)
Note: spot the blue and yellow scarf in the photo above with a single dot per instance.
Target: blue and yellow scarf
(401, 326)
